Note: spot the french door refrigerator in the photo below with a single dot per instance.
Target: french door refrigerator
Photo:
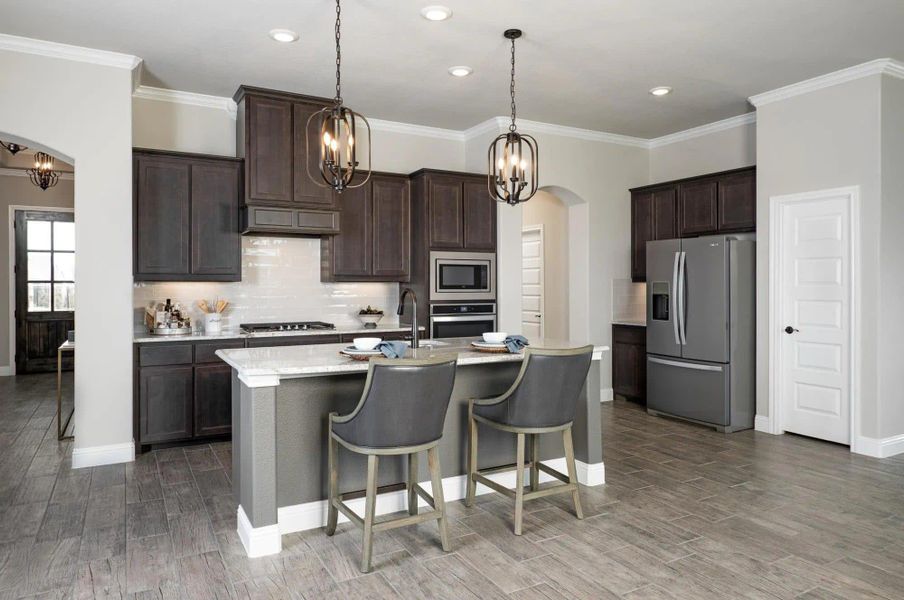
(701, 330)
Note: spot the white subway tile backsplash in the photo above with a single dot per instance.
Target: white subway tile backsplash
(629, 300)
(280, 282)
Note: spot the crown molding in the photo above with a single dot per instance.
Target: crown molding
(421, 130)
(14, 172)
(500, 124)
(190, 98)
(695, 132)
(14, 43)
(881, 66)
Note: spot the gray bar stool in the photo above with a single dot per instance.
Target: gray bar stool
(402, 411)
(542, 400)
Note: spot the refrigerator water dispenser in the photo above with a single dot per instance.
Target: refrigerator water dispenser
(660, 298)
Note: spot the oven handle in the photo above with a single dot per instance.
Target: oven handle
(484, 317)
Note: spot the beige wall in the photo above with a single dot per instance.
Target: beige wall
(891, 252)
(165, 125)
(16, 190)
(83, 113)
(548, 211)
(825, 139)
(719, 151)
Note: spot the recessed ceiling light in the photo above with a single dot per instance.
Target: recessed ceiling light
(662, 90)
(436, 12)
(460, 71)
(283, 35)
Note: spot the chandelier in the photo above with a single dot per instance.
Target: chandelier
(12, 147)
(512, 157)
(43, 175)
(338, 136)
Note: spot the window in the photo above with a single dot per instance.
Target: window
(50, 264)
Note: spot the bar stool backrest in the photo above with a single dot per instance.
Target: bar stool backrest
(547, 389)
(404, 404)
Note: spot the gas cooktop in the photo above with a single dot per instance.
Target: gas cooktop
(293, 326)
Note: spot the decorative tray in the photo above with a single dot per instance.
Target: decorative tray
(490, 348)
(355, 354)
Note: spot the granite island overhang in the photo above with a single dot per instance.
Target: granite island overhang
(281, 399)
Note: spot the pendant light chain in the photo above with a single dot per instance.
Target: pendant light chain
(338, 97)
(512, 87)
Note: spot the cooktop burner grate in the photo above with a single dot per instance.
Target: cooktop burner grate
(285, 326)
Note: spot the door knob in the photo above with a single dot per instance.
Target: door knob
(789, 330)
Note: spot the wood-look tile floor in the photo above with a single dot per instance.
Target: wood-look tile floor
(686, 513)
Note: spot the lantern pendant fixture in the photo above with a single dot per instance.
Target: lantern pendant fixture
(512, 169)
(337, 139)
(43, 175)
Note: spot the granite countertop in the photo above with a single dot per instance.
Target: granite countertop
(265, 366)
(142, 336)
(630, 323)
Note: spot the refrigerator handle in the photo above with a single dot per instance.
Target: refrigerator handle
(674, 298)
(682, 309)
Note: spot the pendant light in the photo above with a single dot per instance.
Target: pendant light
(512, 170)
(43, 175)
(338, 138)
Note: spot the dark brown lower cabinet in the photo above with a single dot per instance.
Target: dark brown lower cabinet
(213, 400)
(629, 361)
(165, 403)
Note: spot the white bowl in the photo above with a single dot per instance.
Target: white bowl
(366, 343)
(494, 337)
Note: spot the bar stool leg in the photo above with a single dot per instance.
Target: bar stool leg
(412, 481)
(439, 502)
(333, 459)
(519, 483)
(534, 459)
(572, 471)
(472, 457)
(370, 505)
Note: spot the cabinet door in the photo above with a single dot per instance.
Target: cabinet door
(665, 214)
(698, 207)
(351, 249)
(216, 245)
(737, 202)
(269, 159)
(624, 369)
(445, 212)
(306, 192)
(213, 399)
(391, 204)
(162, 244)
(479, 216)
(641, 233)
(165, 403)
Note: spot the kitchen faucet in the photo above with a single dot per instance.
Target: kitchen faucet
(401, 309)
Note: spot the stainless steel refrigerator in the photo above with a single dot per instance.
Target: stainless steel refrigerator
(701, 321)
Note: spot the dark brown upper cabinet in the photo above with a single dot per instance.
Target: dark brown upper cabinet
(709, 204)
(280, 196)
(698, 207)
(375, 241)
(186, 217)
(459, 212)
(652, 218)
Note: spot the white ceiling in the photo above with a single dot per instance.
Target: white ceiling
(584, 63)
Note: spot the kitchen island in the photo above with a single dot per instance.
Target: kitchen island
(282, 396)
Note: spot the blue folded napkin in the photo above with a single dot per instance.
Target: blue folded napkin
(393, 349)
(514, 343)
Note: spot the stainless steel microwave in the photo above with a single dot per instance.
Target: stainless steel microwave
(462, 276)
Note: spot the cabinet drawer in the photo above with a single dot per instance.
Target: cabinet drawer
(383, 335)
(152, 355)
(629, 334)
(300, 340)
(206, 352)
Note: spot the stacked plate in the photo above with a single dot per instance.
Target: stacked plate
(493, 347)
(357, 354)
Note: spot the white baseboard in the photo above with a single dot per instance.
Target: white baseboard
(311, 515)
(878, 447)
(96, 456)
(762, 423)
(607, 395)
(258, 541)
(7, 371)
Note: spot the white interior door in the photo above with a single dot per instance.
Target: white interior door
(532, 282)
(815, 305)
